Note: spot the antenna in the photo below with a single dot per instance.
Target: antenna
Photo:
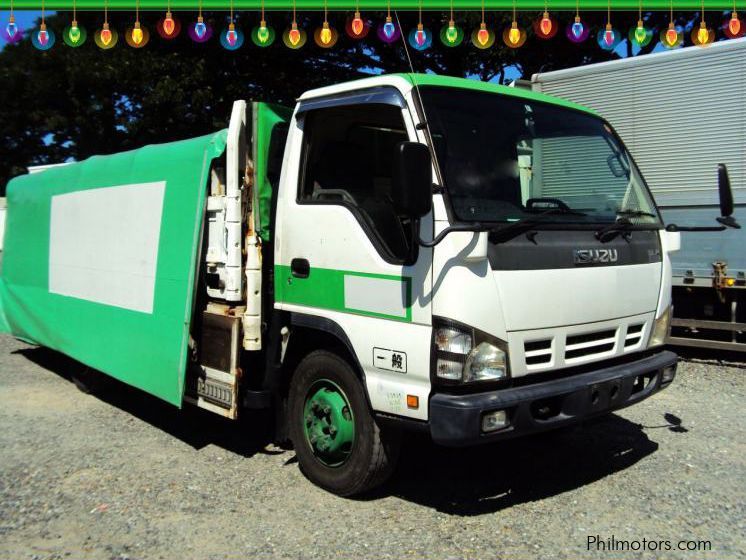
(425, 124)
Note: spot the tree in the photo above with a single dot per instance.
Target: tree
(73, 103)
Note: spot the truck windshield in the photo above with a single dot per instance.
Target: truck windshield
(505, 159)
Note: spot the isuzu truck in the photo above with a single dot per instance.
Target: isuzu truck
(383, 257)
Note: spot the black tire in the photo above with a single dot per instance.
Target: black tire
(373, 454)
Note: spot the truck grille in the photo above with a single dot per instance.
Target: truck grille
(589, 344)
(634, 335)
(538, 352)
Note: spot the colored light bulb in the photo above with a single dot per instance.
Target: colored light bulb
(11, 29)
(609, 35)
(419, 37)
(451, 32)
(545, 24)
(388, 28)
(326, 33)
(483, 36)
(137, 33)
(262, 33)
(357, 25)
(672, 36)
(577, 28)
(640, 32)
(294, 34)
(43, 36)
(200, 29)
(231, 36)
(74, 32)
(514, 35)
(703, 34)
(169, 24)
(734, 24)
(106, 34)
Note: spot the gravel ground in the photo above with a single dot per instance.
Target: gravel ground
(122, 475)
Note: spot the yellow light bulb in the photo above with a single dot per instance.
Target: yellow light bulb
(514, 35)
(137, 33)
(703, 34)
(326, 33)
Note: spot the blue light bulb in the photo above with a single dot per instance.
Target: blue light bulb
(200, 28)
(577, 29)
(11, 29)
(389, 29)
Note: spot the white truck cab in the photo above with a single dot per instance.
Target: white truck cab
(488, 261)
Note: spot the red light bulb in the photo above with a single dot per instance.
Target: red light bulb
(357, 24)
(545, 24)
(483, 35)
(168, 24)
(734, 24)
(106, 34)
(294, 34)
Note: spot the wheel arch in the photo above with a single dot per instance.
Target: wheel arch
(312, 332)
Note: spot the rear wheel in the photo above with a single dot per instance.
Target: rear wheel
(339, 445)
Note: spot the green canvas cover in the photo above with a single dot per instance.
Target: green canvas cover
(100, 257)
(266, 118)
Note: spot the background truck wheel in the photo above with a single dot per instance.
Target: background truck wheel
(339, 445)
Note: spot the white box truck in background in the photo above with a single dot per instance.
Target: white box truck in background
(682, 113)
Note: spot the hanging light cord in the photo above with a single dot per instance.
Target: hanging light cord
(513, 10)
(388, 8)
(262, 10)
(231, 11)
(577, 8)
(482, 11)
(451, 10)
(608, 12)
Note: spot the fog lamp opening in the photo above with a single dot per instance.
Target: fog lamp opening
(668, 374)
(494, 420)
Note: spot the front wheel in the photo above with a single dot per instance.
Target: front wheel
(339, 445)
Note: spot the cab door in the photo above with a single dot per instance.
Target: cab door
(344, 255)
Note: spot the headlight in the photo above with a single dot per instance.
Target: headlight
(466, 355)
(485, 362)
(660, 329)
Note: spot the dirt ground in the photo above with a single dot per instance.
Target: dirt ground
(120, 475)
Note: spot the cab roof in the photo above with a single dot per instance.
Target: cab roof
(407, 79)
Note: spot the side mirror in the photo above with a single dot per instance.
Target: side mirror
(726, 206)
(412, 179)
(726, 197)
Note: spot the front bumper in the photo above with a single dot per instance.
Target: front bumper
(456, 420)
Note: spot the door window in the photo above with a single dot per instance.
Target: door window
(347, 157)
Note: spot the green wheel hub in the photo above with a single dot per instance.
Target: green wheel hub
(328, 423)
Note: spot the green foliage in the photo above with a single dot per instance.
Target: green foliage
(73, 103)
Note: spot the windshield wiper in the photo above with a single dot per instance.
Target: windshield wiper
(635, 213)
(499, 234)
(609, 232)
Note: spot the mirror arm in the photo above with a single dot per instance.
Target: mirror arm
(475, 227)
(674, 227)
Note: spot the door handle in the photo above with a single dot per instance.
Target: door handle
(300, 268)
